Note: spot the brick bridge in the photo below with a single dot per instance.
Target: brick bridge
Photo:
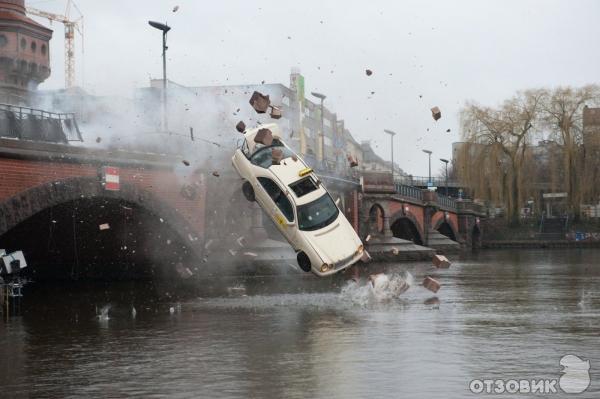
(418, 215)
(54, 197)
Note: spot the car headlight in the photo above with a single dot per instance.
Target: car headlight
(326, 267)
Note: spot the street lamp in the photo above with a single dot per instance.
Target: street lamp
(429, 183)
(446, 162)
(164, 28)
(321, 97)
(392, 134)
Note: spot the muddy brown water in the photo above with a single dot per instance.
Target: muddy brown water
(499, 314)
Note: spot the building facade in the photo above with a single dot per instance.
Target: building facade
(24, 53)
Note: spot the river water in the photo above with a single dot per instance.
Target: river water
(501, 315)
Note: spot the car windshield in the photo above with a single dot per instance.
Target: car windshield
(317, 214)
(263, 157)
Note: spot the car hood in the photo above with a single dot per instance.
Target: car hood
(335, 242)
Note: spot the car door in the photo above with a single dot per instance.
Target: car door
(280, 207)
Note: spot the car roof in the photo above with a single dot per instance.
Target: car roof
(249, 134)
(288, 171)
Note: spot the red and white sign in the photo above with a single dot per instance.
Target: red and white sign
(111, 178)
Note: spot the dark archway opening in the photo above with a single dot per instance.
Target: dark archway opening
(476, 237)
(376, 216)
(446, 230)
(97, 239)
(404, 228)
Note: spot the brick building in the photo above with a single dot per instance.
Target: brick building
(24, 53)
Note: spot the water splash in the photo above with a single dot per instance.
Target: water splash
(379, 288)
(103, 314)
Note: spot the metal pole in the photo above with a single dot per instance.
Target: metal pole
(429, 167)
(392, 140)
(322, 136)
(446, 178)
(164, 91)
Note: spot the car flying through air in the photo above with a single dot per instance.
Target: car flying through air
(295, 199)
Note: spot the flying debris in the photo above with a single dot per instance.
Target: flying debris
(431, 284)
(240, 127)
(436, 113)
(260, 102)
(175, 8)
(186, 163)
(216, 174)
(368, 72)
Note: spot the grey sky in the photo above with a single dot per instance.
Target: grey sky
(446, 51)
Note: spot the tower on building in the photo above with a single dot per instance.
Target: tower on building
(24, 53)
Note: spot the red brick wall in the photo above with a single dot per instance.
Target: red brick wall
(17, 175)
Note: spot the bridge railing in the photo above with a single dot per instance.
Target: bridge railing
(38, 125)
(409, 191)
(446, 202)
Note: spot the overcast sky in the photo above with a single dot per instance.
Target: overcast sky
(422, 54)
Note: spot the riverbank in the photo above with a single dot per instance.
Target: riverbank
(499, 244)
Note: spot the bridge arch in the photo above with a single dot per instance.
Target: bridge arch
(26, 208)
(376, 219)
(447, 228)
(406, 226)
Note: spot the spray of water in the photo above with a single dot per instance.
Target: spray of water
(379, 288)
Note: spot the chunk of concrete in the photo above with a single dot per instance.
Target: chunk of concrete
(260, 102)
(104, 226)
(441, 262)
(216, 174)
(368, 72)
(431, 284)
(264, 136)
(353, 162)
(240, 127)
(276, 113)
(436, 113)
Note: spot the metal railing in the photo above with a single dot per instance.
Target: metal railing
(38, 125)
(409, 191)
(446, 202)
(421, 181)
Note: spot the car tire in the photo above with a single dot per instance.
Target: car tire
(303, 261)
(248, 191)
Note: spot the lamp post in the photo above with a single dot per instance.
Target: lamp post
(392, 134)
(164, 28)
(446, 164)
(429, 179)
(321, 97)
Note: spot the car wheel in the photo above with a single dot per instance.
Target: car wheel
(248, 191)
(303, 261)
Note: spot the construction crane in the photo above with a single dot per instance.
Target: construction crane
(71, 25)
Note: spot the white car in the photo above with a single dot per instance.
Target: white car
(295, 199)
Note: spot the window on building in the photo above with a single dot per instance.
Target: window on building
(23, 44)
(33, 46)
(3, 41)
(43, 49)
(278, 197)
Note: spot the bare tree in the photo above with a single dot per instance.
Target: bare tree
(501, 137)
(562, 114)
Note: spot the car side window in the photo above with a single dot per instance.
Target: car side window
(279, 197)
